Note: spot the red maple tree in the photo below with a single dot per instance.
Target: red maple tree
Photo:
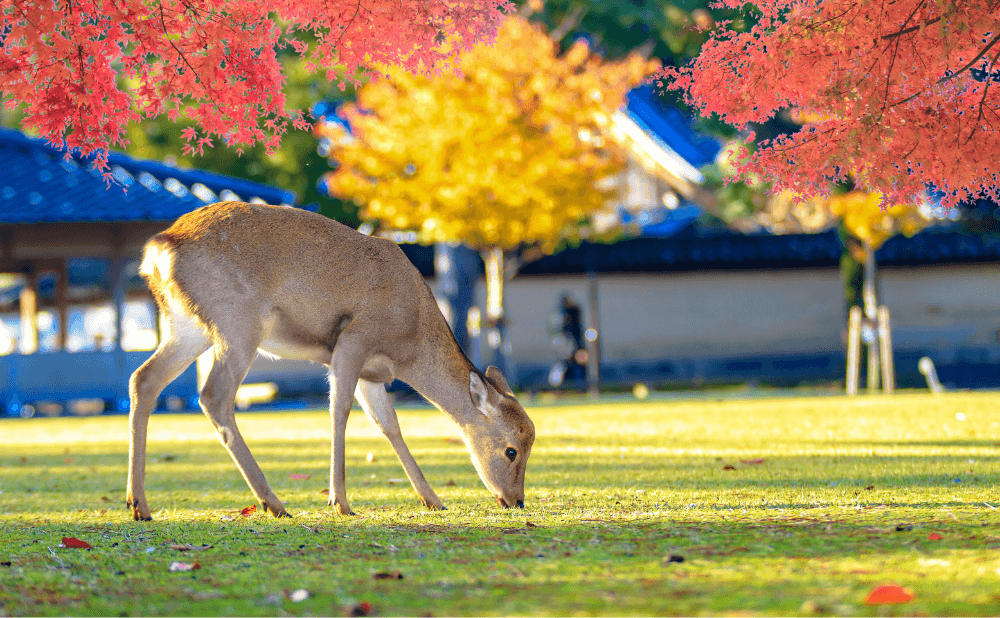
(899, 94)
(83, 70)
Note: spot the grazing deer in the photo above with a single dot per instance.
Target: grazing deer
(247, 277)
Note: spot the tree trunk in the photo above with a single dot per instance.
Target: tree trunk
(498, 348)
(456, 267)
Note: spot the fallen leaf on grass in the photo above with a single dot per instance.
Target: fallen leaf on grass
(189, 547)
(934, 536)
(728, 467)
(325, 492)
(363, 608)
(184, 566)
(75, 543)
(675, 558)
(752, 462)
(888, 594)
(452, 441)
(528, 524)
(386, 575)
(247, 512)
(299, 477)
(904, 527)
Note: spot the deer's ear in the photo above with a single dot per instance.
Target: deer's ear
(479, 392)
(499, 382)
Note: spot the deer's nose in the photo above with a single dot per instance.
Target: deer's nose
(520, 504)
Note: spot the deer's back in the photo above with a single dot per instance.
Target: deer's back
(311, 272)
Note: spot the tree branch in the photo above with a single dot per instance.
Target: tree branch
(982, 101)
(972, 63)
(197, 78)
(979, 56)
(911, 29)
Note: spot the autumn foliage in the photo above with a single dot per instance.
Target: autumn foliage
(899, 94)
(506, 154)
(83, 70)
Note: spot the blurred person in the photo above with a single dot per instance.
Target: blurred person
(566, 326)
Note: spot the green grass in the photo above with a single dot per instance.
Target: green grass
(844, 500)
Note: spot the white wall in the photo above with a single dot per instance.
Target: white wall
(749, 313)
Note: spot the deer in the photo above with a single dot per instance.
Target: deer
(244, 279)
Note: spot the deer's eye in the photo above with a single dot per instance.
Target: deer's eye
(511, 454)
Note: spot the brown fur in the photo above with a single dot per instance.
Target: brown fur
(245, 276)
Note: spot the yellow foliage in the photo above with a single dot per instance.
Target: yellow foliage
(866, 218)
(504, 154)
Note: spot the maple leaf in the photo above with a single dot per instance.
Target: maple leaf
(888, 594)
(75, 543)
(934, 536)
(83, 76)
(902, 96)
(248, 511)
(299, 476)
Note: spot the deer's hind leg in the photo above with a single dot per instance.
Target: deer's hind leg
(375, 402)
(236, 345)
(183, 341)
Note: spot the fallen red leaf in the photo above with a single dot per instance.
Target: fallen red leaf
(247, 512)
(75, 543)
(728, 467)
(752, 462)
(888, 594)
(363, 608)
(934, 536)
(300, 477)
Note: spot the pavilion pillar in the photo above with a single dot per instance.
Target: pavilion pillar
(28, 302)
(62, 304)
(118, 285)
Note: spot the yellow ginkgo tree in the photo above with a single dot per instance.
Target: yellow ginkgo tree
(512, 156)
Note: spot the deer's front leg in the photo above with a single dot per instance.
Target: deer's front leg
(375, 402)
(343, 378)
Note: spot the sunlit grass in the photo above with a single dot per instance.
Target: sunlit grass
(789, 505)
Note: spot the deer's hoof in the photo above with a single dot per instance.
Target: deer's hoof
(278, 511)
(138, 513)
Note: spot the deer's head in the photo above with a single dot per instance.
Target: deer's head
(499, 437)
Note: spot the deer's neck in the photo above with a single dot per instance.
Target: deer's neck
(441, 374)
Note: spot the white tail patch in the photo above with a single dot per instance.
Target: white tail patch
(157, 262)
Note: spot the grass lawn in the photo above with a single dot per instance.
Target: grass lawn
(753, 506)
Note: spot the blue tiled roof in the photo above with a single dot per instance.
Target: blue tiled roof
(696, 248)
(671, 127)
(38, 185)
